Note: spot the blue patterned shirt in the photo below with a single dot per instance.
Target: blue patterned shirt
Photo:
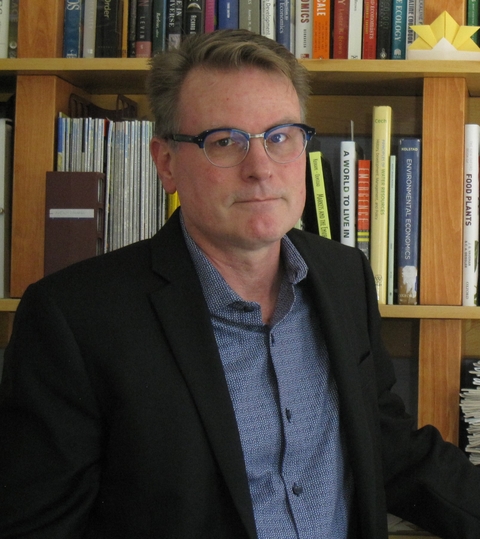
(285, 402)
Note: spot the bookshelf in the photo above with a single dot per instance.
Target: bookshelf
(433, 99)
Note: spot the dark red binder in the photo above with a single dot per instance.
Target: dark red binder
(74, 218)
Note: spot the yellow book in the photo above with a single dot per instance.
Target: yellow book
(173, 202)
(319, 194)
(381, 149)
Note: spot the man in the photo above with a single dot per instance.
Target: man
(227, 378)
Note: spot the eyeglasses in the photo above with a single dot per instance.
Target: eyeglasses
(226, 147)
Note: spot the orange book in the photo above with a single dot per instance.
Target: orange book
(321, 29)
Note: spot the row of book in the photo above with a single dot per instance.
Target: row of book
(371, 200)
(8, 28)
(469, 431)
(341, 29)
(108, 157)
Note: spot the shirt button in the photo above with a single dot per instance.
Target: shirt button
(297, 489)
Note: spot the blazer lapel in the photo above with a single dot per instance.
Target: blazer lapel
(184, 317)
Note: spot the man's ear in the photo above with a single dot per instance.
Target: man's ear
(161, 152)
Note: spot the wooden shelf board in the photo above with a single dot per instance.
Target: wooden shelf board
(329, 77)
(9, 304)
(446, 312)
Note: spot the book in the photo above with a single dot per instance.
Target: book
(369, 48)
(391, 232)
(74, 207)
(283, 24)
(303, 29)
(13, 30)
(159, 31)
(321, 29)
(363, 206)
(72, 29)
(411, 21)
(194, 17)
(408, 220)
(132, 27)
(381, 150)
(341, 15)
(471, 220)
(249, 13)
(469, 432)
(4, 26)
(89, 28)
(319, 194)
(144, 30)
(267, 18)
(355, 30)
(211, 16)
(473, 17)
(6, 178)
(399, 29)
(384, 29)
(174, 23)
(108, 36)
(348, 192)
(227, 14)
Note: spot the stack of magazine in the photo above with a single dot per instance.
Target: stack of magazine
(470, 410)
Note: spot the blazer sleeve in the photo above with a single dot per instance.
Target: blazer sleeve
(427, 481)
(50, 434)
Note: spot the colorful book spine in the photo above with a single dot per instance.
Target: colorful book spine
(228, 14)
(410, 22)
(249, 14)
(473, 17)
(174, 24)
(408, 220)
(391, 232)
(370, 11)
(320, 195)
(341, 17)
(381, 151)
(471, 214)
(348, 192)
(159, 33)
(283, 29)
(384, 29)
(89, 28)
(267, 27)
(399, 29)
(355, 30)
(72, 29)
(304, 29)
(210, 16)
(321, 29)
(363, 206)
(194, 17)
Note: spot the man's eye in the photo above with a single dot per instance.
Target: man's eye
(277, 138)
(224, 142)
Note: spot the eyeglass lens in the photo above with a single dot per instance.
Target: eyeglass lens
(229, 147)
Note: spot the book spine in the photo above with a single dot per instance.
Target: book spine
(340, 28)
(399, 29)
(6, 178)
(174, 26)
(143, 37)
(348, 187)
(108, 35)
(303, 29)
(267, 27)
(13, 29)
(228, 15)
(321, 29)
(384, 29)
(391, 232)
(159, 37)
(369, 51)
(319, 194)
(381, 144)
(132, 27)
(249, 14)
(471, 214)
(363, 206)
(72, 29)
(419, 9)
(355, 30)
(283, 25)
(408, 220)
(89, 28)
(210, 16)
(410, 22)
(473, 16)
(4, 24)
(194, 17)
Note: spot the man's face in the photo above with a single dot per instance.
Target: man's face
(248, 206)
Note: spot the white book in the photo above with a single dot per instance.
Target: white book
(267, 23)
(471, 214)
(6, 175)
(348, 192)
(4, 24)
(304, 29)
(355, 30)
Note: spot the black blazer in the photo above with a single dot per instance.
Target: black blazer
(116, 422)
